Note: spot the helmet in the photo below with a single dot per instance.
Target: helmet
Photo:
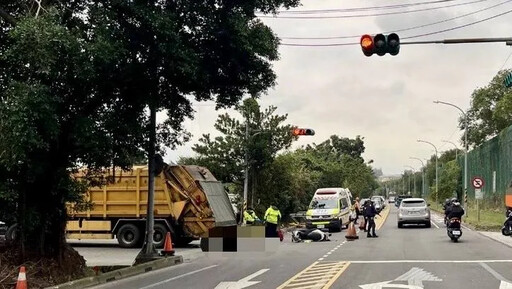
(453, 200)
(456, 203)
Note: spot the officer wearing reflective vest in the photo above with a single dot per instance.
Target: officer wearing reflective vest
(250, 216)
(272, 218)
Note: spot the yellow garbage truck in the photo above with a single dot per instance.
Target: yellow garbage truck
(188, 202)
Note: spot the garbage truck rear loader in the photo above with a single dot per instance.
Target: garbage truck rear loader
(188, 202)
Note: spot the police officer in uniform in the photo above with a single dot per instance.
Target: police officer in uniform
(370, 212)
(250, 216)
(272, 218)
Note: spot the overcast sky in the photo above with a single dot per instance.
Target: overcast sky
(388, 100)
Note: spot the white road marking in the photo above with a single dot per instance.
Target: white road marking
(178, 277)
(328, 253)
(320, 259)
(434, 223)
(493, 272)
(325, 256)
(242, 283)
(416, 276)
(429, 261)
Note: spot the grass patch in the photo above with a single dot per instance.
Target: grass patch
(490, 219)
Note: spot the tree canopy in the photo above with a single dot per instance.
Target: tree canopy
(490, 111)
(77, 78)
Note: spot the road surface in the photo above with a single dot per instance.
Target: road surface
(412, 257)
(108, 252)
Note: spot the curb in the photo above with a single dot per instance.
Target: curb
(120, 274)
(495, 240)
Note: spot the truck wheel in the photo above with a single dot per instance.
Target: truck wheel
(11, 235)
(159, 235)
(128, 236)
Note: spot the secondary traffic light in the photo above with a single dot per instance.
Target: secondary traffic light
(380, 44)
(508, 80)
(302, 131)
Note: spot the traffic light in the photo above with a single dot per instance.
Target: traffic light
(302, 131)
(508, 80)
(380, 44)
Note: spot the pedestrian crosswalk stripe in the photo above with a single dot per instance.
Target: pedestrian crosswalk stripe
(320, 275)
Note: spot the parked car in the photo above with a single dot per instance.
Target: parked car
(391, 199)
(379, 205)
(413, 211)
(382, 200)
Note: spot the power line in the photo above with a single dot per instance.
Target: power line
(374, 14)
(357, 9)
(408, 37)
(458, 27)
(506, 60)
(403, 29)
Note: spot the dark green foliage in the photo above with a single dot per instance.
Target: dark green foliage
(77, 77)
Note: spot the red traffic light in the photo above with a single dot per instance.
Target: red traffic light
(380, 44)
(367, 44)
(303, 131)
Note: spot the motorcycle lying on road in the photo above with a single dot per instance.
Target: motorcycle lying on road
(453, 229)
(506, 230)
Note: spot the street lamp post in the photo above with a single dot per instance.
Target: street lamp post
(422, 176)
(435, 148)
(456, 148)
(466, 148)
(414, 178)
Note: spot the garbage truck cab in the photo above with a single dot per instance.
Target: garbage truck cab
(329, 208)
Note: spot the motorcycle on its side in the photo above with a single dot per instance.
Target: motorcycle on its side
(506, 230)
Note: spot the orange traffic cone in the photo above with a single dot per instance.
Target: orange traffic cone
(22, 279)
(362, 225)
(351, 232)
(168, 250)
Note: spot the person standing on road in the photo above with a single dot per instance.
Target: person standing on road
(272, 218)
(370, 213)
(363, 211)
(357, 209)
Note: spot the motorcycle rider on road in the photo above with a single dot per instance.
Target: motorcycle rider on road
(455, 210)
(448, 207)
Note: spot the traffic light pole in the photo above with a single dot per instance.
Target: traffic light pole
(507, 40)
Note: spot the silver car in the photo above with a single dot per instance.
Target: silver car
(413, 211)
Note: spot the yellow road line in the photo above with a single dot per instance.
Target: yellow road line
(318, 275)
(380, 221)
(329, 284)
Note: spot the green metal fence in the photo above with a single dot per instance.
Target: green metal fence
(493, 162)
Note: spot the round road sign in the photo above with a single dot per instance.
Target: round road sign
(477, 182)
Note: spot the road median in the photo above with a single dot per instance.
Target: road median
(120, 273)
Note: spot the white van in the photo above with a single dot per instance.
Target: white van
(329, 208)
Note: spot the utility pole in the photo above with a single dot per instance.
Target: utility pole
(246, 163)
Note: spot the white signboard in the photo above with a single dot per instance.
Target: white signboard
(479, 195)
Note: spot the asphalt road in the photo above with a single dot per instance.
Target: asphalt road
(412, 257)
(108, 252)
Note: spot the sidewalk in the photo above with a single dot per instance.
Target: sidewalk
(497, 236)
